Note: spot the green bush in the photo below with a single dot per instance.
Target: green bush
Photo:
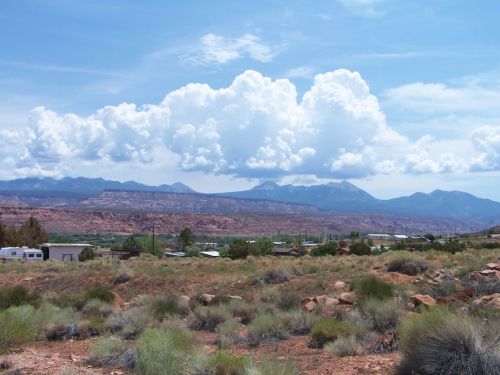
(169, 305)
(98, 309)
(288, 299)
(329, 248)
(265, 327)
(344, 346)
(168, 350)
(438, 342)
(408, 266)
(100, 293)
(18, 295)
(192, 251)
(112, 352)
(276, 275)
(130, 323)
(371, 287)
(228, 334)
(360, 248)
(299, 322)
(223, 363)
(18, 325)
(328, 329)
(210, 317)
(382, 314)
(86, 254)
(243, 310)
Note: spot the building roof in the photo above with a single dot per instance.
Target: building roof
(401, 236)
(378, 235)
(214, 254)
(50, 244)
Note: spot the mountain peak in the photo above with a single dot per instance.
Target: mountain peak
(267, 185)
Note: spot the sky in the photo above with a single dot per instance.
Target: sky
(394, 96)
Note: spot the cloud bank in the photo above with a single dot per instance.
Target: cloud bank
(255, 127)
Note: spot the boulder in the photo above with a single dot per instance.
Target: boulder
(239, 298)
(329, 301)
(305, 300)
(206, 299)
(320, 299)
(309, 306)
(423, 299)
(339, 285)
(493, 266)
(184, 298)
(492, 300)
(347, 298)
(488, 273)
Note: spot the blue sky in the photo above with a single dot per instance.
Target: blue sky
(396, 96)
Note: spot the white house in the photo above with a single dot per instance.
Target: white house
(62, 251)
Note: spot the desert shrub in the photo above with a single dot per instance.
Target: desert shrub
(288, 299)
(168, 350)
(328, 329)
(170, 304)
(124, 274)
(329, 248)
(276, 275)
(243, 310)
(209, 317)
(438, 342)
(272, 366)
(228, 333)
(192, 251)
(130, 323)
(86, 254)
(18, 325)
(112, 352)
(299, 322)
(265, 327)
(100, 293)
(360, 248)
(408, 266)
(223, 363)
(18, 295)
(371, 287)
(382, 314)
(344, 346)
(98, 308)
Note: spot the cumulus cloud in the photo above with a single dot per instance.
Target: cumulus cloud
(255, 127)
(219, 49)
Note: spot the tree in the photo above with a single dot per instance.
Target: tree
(360, 248)
(150, 244)
(239, 249)
(329, 248)
(192, 251)
(131, 244)
(186, 238)
(264, 246)
(86, 254)
(32, 233)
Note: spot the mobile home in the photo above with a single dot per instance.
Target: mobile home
(62, 251)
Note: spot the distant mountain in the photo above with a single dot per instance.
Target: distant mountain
(342, 196)
(347, 198)
(84, 186)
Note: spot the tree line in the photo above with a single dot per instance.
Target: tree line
(31, 233)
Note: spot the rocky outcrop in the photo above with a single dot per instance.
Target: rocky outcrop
(491, 301)
(423, 300)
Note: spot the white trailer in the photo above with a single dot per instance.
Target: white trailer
(20, 253)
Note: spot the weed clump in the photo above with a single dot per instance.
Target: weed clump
(343, 347)
(265, 327)
(299, 322)
(223, 363)
(408, 266)
(100, 293)
(227, 334)
(18, 295)
(169, 305)
(209, 318)
(112, 352)
(372, 287)
(438, 342)
(382, 315)
(276, 275)
(328, 329)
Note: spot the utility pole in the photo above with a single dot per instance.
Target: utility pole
(153, 235)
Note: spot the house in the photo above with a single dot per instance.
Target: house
(62, 251)
(400, 237)
(20, 253)
(285, 251)
(379, 236)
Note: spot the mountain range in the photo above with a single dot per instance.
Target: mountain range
(341, 197)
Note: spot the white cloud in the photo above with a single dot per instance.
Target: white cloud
(219, 49)
(255, 127)
(439, 97)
